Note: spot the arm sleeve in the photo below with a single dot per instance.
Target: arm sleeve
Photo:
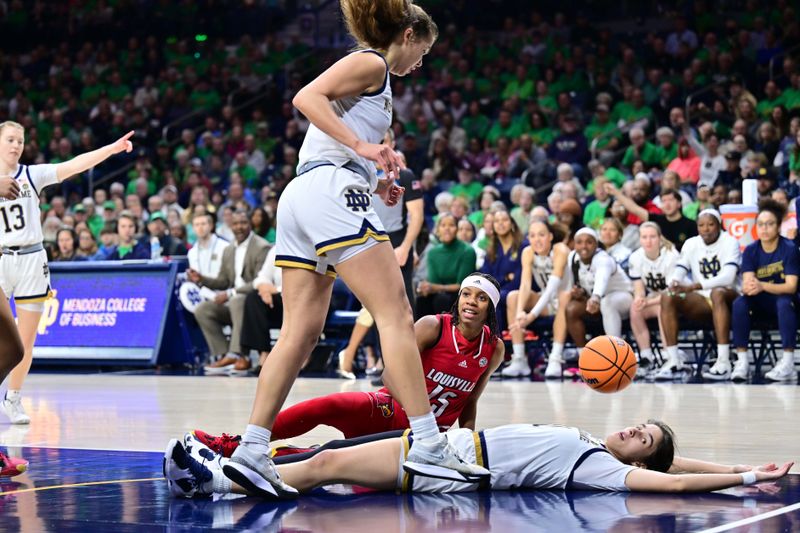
(605, 266)
(696, 145)
(725, 278)
(548, 294)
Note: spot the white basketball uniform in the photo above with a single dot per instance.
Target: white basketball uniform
(527, 456)
(654, 273)
(704, 261)
(25, 275)
(325, 215)
(542, 269)
(618, 281)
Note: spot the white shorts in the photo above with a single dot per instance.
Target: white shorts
(325, 216)
(468, 446)
(26, 277)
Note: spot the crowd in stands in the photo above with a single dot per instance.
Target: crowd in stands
(545, 117)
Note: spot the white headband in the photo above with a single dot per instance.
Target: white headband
(712, 212)
(483, 284)
(587, 231)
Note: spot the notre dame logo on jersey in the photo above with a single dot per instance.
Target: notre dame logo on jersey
(709, 267)
(357, 200)
(655, 282)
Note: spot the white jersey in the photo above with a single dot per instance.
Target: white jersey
(533, 457)
(584, 276)
(704, 261)
(653, 272)
(368, 115)
(208, 261)
(542, 268)
(20, 219)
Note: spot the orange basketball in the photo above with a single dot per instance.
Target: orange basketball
(607, 364)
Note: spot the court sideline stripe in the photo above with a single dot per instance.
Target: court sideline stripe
(753, 519)
(85, 484)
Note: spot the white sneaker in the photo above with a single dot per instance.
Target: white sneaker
(721, 371)
(669, 371)
(783, 371)
(553, 370)
(256, 473)
(741, 370)
(15, 412)
(342, 373)
(518, 368)
(440, 460)
(644, 368)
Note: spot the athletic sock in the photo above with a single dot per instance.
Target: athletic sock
(424, 427)
(518, 351)
(723, 353)
(13, 395)
(788, 355)
(672, 355)
(256, 438)
(219, 483)
(646, 354)
(558, 349)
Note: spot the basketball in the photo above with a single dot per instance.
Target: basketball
(607, 364)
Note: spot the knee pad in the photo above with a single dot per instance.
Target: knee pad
(33, 307)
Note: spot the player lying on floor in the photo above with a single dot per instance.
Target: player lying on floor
(459, 350)
(638, 458)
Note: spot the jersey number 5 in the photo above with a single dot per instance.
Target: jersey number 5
(19, 221)
(440, 400)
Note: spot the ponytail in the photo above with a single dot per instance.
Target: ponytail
(377, 23)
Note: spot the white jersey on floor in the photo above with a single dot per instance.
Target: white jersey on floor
(542, 268)
(618, 282)
(704, 261)
(534, 457)
(368, 115)
(653, 272)
(20, 219)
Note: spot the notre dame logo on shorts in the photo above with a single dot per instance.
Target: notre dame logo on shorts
(357, 200)
(709, 267)
(45, 270)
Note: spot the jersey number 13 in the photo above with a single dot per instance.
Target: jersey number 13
(14, 211)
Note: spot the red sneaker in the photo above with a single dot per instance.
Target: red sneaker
(531, 336)
(12, 466)
(224, 445)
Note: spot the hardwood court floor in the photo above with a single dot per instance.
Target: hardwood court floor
(95, 446)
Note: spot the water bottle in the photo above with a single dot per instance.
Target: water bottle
(155, 249)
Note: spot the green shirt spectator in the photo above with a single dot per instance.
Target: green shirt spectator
(642, 149)
(602, 127)
(449, 263)
(504, 127)
(466, 186)
(521, 86)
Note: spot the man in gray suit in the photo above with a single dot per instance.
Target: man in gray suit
(241, 262)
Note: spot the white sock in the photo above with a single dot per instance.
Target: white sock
(558, 349)
(13, 395)
(742, 356)
(518, 350)
(219, 483)
(724, 353)
(646, 354)
(672, 355)
(256, 438)
(789, 355)
(424, 427)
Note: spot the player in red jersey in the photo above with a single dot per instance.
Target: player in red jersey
(459, 350)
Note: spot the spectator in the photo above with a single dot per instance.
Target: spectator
(611, 237)
(686, 165)
(448, 263)
(467, 187)
(489, 196)
(640, 149)
(502, 259)
(674, 225)
(570, 146)
(770, 267)
(241, 261)
(263, 310)
(596, 211)
(157, 228)
(521, 212)
(667, 147)
(67, 246)
(128, 247)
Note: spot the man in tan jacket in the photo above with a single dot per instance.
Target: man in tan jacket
(241, 262)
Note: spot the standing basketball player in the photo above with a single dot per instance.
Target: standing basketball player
(326, 220)
(11, 350)
(23, 265)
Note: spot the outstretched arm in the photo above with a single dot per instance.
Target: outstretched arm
(650, 481)
(84, 162)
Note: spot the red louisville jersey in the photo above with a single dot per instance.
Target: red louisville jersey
(452, 368)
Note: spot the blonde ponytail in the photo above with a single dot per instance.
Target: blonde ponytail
(377, 23)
